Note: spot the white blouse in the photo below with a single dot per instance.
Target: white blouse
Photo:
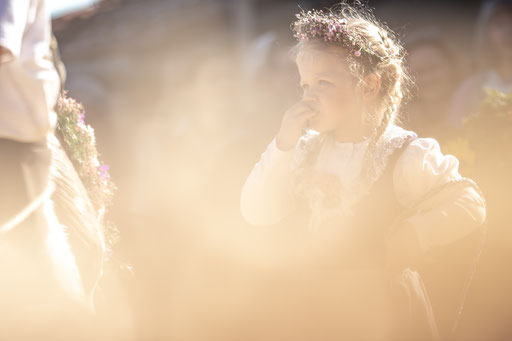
(268, 194)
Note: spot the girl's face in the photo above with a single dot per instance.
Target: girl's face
(329, 89)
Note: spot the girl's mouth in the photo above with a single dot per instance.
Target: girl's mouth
(314, 108)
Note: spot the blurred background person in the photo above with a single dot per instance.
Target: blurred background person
(492, 58)
(437, 71)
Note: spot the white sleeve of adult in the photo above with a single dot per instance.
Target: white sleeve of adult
(13, 19)
(451, 214)
(267, 195)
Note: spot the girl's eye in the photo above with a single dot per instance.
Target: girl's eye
(324, 83)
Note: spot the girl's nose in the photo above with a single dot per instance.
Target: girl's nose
(309, 95)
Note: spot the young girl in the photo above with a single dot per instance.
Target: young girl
(356, 172)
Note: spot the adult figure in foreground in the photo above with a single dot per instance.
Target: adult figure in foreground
(41, 291)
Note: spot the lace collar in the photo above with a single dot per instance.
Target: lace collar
(305, 157)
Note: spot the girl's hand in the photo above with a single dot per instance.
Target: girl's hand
(294, 121)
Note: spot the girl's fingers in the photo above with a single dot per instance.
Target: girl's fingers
(307, 116)
(304, 113)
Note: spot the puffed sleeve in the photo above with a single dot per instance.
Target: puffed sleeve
(451, 214)
(13, 19)
(267, 195)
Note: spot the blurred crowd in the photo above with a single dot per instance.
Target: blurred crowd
(185, 95)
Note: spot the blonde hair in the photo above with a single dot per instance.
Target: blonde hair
(389, 64)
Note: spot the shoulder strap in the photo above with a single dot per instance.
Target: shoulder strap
(393, 159)
(384, 184)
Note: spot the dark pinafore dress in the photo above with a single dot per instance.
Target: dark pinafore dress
(348, 292)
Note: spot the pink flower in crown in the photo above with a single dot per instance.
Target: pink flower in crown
(81, 119)
(330, 28)
(104, 174)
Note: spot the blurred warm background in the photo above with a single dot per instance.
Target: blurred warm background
(184, 95)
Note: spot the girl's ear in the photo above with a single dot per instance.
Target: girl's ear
(370, 87)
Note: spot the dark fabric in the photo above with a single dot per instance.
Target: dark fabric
(447, 272)
(412, 316)
(363, 236)
(375, 213)
(354, 257)
(24, 175)
(35, 300)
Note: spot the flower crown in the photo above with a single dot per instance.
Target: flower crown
(332, 28)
